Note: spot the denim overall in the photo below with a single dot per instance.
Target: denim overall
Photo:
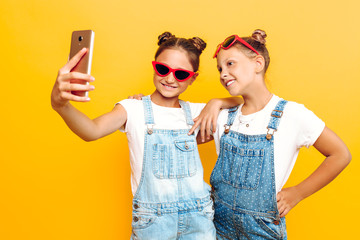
(172, 200)
(243, 182)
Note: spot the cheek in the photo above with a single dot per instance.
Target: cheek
(156, 78)
(184, 85)
(245, 70)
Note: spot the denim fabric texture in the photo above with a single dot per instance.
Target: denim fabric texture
(172, 200)
(243, 182)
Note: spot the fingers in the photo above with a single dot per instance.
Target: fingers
(202, 130)
(73, 61)
(76, 87)
(283, 204)
(283, 210)
(214, 122)
(136, 96)
(69, 83)
(75, 76)
(71, 97)
(281, 207)
(208, 130)
(196, 124)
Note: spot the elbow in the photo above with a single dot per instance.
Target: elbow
(348, 157)
(89, 138)
(345, 157)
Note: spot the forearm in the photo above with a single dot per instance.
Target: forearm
(78, 122)
(323, 175)
(224, 103)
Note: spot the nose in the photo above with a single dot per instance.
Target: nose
(170, 78)
(224, 75)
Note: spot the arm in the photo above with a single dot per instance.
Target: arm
(78, 122)
(208, 117)
(337, 158)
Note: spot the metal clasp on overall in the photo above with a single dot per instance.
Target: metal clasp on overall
(150, 129)
(227, 128)
(270, 133)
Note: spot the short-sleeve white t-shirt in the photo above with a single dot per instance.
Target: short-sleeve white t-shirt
(164, 118)
(298, 127)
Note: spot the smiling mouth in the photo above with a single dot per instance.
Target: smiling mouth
(229, 83)
(167, 86)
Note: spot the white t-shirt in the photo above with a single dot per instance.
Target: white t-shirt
(164, 118)
(298, 127)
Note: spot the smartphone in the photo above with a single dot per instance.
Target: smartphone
(79, 40)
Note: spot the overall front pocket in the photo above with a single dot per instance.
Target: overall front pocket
(242, 167)
(176, 160)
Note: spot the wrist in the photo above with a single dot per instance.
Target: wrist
(216, 102)
(59, 107)
(300, 193)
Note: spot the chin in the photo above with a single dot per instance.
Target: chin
(233, 92)
(169, 95)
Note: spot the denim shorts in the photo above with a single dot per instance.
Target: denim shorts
(187, 225)
(232, 225)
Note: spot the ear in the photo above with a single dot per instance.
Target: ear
(260, 63)
(193, 78)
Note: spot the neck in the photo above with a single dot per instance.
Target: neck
(163, 101)
(256, 100)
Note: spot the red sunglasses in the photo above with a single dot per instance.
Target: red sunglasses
(180, 74)
(229, 41)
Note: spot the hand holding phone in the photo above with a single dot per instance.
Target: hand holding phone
(79, 40)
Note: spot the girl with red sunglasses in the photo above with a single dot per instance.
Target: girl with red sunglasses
(171, 199)
(257, 144)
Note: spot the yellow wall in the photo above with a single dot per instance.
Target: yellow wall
(55, 186)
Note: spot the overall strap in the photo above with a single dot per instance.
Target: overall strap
(186, 107)
(149, 117)
(231, 117)
(276, 115)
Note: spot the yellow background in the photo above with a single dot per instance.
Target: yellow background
(55, 186)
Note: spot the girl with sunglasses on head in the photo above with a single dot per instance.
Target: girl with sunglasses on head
(171, 199)
(257, 144)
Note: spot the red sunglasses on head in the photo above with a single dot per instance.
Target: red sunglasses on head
(229, 41)
(179, 74)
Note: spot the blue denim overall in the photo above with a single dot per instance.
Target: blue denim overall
(243, 182)
(172, 200)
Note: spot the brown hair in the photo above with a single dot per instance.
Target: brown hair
(257, 41)
(193, 46)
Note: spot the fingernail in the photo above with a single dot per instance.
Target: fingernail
(92, 87)
(87, 99)
(92, 78)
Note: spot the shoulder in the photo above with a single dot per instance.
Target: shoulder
(196, 105)
(196, 108)
(130, 103)
(223, 116)
(297, 110)
(302, 117)
(302, 121)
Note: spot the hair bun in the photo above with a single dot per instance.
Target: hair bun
(198, 43)
(164, 37)
(259, 36)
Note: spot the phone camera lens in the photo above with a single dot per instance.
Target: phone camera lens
(81, 38)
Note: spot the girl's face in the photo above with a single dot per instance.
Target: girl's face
(237, 71)
(168, 86)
